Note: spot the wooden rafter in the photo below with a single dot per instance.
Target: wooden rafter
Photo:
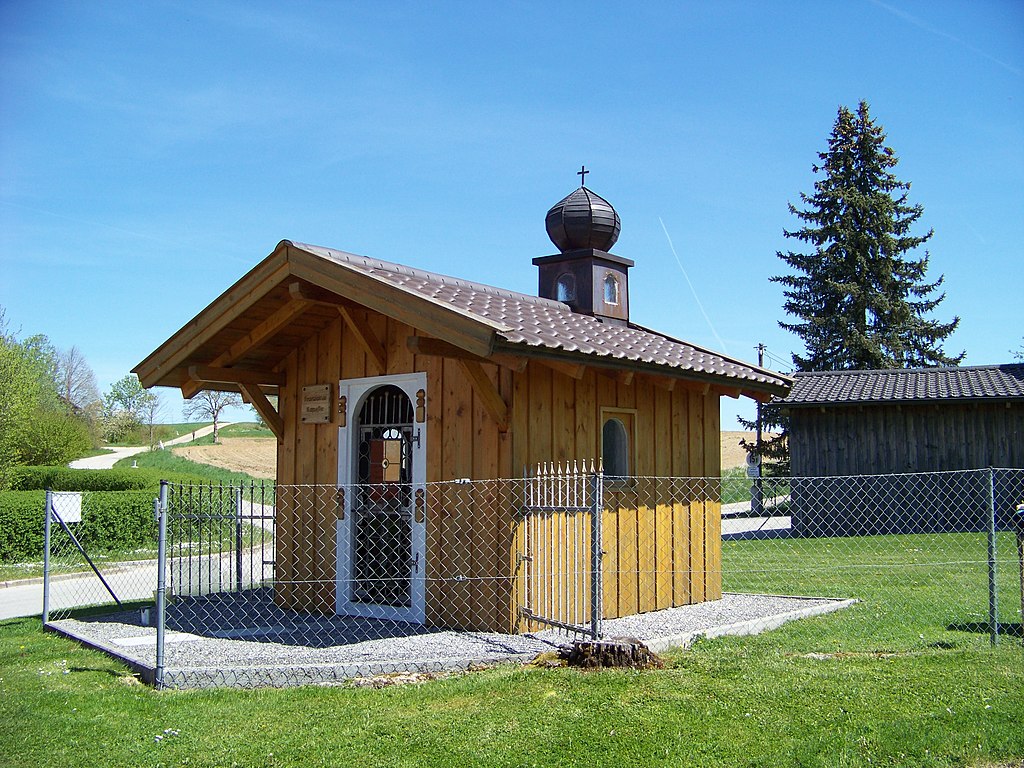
(264, 408)
(422, 345)
(488, 393)
(572, 370)
(366, 337)
(314, 295)
(661, 382)
(265, 330)
(207, 374)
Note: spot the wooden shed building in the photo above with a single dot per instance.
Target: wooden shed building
(386, 373)
(899, 421)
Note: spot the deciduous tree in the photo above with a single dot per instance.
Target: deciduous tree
(208, 405)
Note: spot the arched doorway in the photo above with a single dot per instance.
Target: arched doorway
(381, 537)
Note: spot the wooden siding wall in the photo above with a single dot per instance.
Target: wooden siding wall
(660, 551)
(675, 548)
(462, 442)
(883, 439)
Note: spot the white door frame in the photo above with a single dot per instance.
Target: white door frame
(355, 391)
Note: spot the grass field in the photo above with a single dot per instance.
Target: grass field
(239, 429)
(906, 677)
(169, 462)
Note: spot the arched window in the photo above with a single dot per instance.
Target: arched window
(565, 288)
(615, 448)
(611, 289)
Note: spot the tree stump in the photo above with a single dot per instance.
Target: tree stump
(625, 652)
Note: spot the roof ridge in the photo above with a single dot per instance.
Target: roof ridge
(928, 369)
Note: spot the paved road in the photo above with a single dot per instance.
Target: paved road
(107, 460)
(138, 581)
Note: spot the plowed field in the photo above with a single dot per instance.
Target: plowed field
(256, 456)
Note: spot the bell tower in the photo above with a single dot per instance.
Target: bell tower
(585, 275)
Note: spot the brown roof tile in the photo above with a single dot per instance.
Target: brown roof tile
(530, 321)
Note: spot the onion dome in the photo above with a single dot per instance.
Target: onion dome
(583, 220)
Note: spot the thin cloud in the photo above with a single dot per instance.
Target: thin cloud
(921, 24)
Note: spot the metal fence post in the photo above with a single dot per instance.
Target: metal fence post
(46, 558)
(238, 539)
(596, 554)
(993, 602)
(161, 584)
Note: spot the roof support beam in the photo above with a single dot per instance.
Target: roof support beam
(264, 408)
(261, 332)
(488, 393)
(661, 382)
(572, 370)
(314, 295)
(253, 338)
(207, 373)
(422, 345)
(366, 337)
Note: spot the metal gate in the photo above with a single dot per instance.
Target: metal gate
(219, 538)
(562, 548)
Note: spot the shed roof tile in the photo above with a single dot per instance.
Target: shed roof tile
(982, 382)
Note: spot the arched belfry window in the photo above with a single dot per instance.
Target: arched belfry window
(615, 448)
(611, 289)
(565, 288)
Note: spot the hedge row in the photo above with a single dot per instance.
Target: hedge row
(115, 521)
(66, 479)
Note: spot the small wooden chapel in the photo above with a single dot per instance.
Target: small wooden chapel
(396, 379)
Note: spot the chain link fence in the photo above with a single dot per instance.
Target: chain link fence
(284, 585)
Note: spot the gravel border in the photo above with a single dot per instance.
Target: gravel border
(246, 641)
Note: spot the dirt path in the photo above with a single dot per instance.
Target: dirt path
(256, 456)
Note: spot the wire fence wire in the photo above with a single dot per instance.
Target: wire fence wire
(284, 585)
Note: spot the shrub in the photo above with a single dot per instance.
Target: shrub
(55, 438)
(114, 521)
(65, 479)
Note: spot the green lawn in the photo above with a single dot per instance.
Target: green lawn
(887, 682)
(730, 702)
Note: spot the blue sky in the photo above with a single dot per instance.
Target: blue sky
(151, 153)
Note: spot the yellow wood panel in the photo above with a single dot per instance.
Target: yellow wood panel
(400, 358)
(435, 501)
(563, 417)
(539, 420)
(644, 435)
(696, 450)
(284, 510)
(680, 509)
(587, 429)
(663, 522)
(713, 507)
(328, 372)
(485, 567)
(457, 462)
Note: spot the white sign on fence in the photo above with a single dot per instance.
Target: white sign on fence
(68, 505)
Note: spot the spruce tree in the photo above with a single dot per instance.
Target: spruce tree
(859, 296)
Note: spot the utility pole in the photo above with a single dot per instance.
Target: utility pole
(756, 490)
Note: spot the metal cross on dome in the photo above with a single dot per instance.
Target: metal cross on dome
(582, 173)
